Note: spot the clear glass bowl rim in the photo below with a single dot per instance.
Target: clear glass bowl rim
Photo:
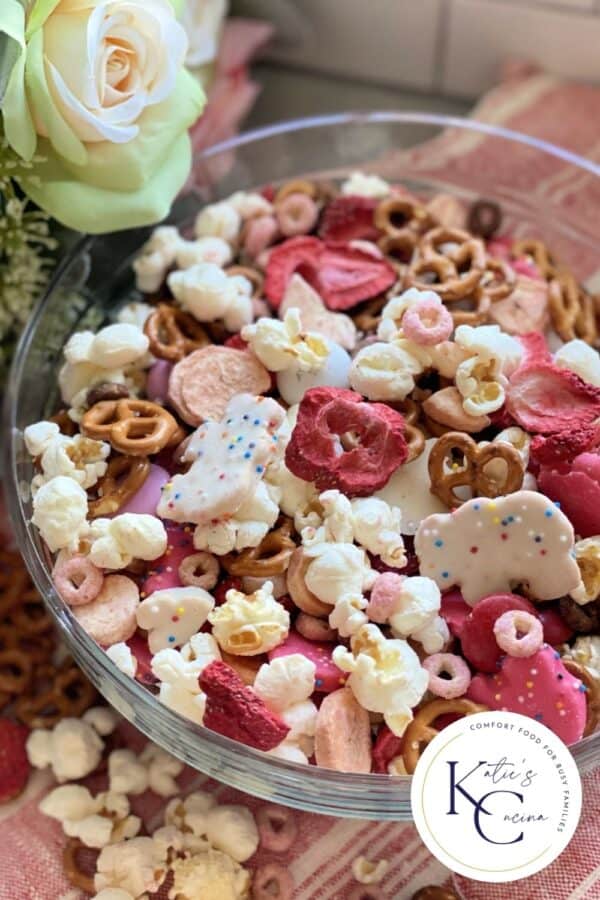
(337, 793)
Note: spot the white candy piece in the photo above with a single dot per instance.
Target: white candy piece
(60, 510)
(116, 542)
(249, 624)
(385, 675)
(580, 358)
(408, 490)
(293, 382)
(171, 616)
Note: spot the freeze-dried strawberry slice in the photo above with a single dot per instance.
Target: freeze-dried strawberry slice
(535, 348)
(14, 764)
(234, 710)
(546, 400)
(316, 452)
(236, 341)
(561, 448)
(342, 276)
(349, 218)
(386, 747)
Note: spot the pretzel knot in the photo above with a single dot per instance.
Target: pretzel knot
(446, 473)
(77, 865)
(421, 731)
(134, 427)
(399, 217)
(173, 333)
(55, 694)
(271, 557)
(592, 693)
(538, 253)
(15, 671)
(571, 309)
(415, 441)
(123, 477)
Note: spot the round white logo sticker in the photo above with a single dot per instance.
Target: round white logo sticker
(496, 796)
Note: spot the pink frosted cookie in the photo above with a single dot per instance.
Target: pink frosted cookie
(485, 546)
(111, 617)
(539, 687)
(328, 677)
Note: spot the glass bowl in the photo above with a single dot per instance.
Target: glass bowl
(95, 278)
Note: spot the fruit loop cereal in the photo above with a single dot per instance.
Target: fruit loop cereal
(335, 481)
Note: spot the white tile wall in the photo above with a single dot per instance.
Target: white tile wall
(452, 46)
(483, 33)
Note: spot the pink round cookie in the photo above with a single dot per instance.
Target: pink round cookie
(165, 570)
(537, 686)
(328, 677)
(110, 618)
(145, 500)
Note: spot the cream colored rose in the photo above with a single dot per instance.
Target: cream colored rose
(122, 56)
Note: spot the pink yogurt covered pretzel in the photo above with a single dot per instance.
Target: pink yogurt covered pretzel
(428, 322)
(77, 580)
(452, 665)
(519, 633)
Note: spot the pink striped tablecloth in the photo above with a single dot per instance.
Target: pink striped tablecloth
(320, 864)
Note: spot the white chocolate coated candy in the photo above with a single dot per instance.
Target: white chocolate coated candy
(489, 546)
(293, 383)
(408, 490)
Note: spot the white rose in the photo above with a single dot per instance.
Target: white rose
(107, 60)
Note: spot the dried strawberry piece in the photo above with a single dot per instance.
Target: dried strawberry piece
(535, 348)
(236, 342)
(235, 711)
(501, 418)
(545, 399)
(316, 449)
(386, 747)
(297, 254)
(343, 276)
(563, 447)
(14, 764)
(349, 218)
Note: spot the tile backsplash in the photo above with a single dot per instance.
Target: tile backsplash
(454, 47)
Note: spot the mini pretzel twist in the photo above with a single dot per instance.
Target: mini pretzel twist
(173, 333)
(296, 186)
(13, 580)
(439, 273)
(67, 426)
(369, 316)
(15, 671)
(539, 253)
(465, 251)
(421, 731)
(571, 309)
(398, 217)
(37, 648)
(134, 427)
(592, 693)
(498, 280)
(123, 477)
(399, 247)
(271, 557)
(55, 694)
(30, 617)
(446, 474)
(255, 277)
(415, 440)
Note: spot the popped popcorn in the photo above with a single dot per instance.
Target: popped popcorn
(80, 458)
(338, 571)
(103, 719)
(361, 185)
(586, 652)
(587, 556)
(246, 528)
(247, 624)
(250, 204)
(218, 220)
(285, 681)
(367, 872)
(178, 671)
(203, 250)
(208, 293)
(580, 358)
(72, 749)
(383, 371)
(156, 258)
(162, 768)
(481, 385)
(415, 614)
(347, 615)
(211, 875)
(490, 342)
(171, 616)
(116, 542)
(283, 344)
(113, 347)
(232, 830)
(385, 675)
(136, 865)
(127, 774)
(135, 313)
(123, 658)
(96, 821)
(60, 509)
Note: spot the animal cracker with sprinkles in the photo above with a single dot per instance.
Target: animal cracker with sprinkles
(290, 522)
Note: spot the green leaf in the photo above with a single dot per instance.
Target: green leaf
(9, 54)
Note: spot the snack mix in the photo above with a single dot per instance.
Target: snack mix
(330, 481)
